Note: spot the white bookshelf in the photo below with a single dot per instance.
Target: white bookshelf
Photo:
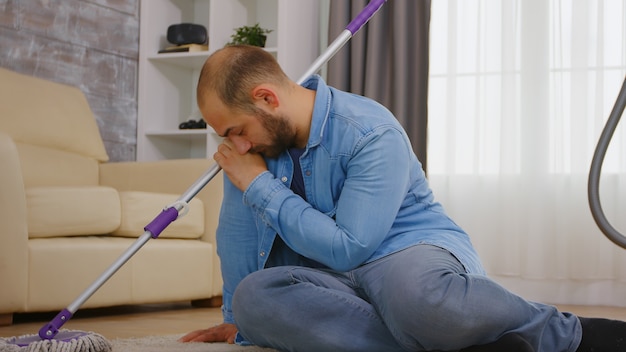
(167, 82)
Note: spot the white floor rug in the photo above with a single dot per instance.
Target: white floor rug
(169, 343)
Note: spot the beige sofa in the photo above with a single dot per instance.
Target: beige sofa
(66, 214)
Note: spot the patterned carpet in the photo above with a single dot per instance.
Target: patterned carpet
(169, 343)
(93, 342)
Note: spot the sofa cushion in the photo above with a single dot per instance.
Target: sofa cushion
(61, 268)
(43, 167)
(140, 208)
(72, 211)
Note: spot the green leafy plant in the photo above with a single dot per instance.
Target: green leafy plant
(250, 35)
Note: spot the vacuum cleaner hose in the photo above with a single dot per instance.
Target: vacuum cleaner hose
(593, 184)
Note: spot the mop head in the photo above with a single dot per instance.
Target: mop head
(65, 341)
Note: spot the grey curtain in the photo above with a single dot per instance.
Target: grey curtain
(387, 60)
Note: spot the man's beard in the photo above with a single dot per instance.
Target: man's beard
(280, 133)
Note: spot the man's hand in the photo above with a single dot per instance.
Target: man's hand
(240, 168)
(221, 333)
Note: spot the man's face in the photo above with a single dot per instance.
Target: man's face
(279, 132)
(258, 132)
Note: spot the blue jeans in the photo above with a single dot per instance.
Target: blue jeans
(418, 299)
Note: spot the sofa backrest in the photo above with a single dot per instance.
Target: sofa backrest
(48, 114)
(54, 129)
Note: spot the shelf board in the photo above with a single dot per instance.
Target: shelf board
(180, 134)
(192, 60)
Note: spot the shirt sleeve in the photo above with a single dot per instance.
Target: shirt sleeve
(374, 187)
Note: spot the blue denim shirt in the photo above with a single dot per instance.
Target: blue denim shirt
(367, 197)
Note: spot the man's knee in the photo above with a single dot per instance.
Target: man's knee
(251, 294)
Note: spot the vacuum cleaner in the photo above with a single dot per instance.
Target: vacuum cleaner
(51, 338)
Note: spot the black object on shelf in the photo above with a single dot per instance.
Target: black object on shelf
(187, 33)
(192, 125)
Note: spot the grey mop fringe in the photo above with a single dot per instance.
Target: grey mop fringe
(92, 342)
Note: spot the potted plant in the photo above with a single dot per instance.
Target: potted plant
(250, 35)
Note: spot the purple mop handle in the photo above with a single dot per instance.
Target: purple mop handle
(168, 215)
(361, 19)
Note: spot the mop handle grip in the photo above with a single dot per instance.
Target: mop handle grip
(161, 221)
(364, 16)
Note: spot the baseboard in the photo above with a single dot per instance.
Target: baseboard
(213, 302)
(6, 319)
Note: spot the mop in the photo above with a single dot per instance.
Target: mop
(51, 338)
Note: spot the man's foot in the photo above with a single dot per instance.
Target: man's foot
(507, 343)
(602, 335)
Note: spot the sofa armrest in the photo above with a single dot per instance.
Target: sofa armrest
(172, 176)
(13, 230)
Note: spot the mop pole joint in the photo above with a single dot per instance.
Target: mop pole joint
(161, 221)
(50, 330)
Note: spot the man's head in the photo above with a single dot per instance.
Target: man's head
(240, 94)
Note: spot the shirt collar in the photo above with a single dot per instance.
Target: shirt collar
(321, 109)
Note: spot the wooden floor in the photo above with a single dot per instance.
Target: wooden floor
(168, 319)
(124, 322)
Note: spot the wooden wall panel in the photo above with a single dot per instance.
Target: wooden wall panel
(92, 45)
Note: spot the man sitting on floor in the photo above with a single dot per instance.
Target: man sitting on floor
(330, 238)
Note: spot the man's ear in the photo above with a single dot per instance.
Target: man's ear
(265, 96)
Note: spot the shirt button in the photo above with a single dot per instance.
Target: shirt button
(308, 172)
(262, 254)
(284, 178)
